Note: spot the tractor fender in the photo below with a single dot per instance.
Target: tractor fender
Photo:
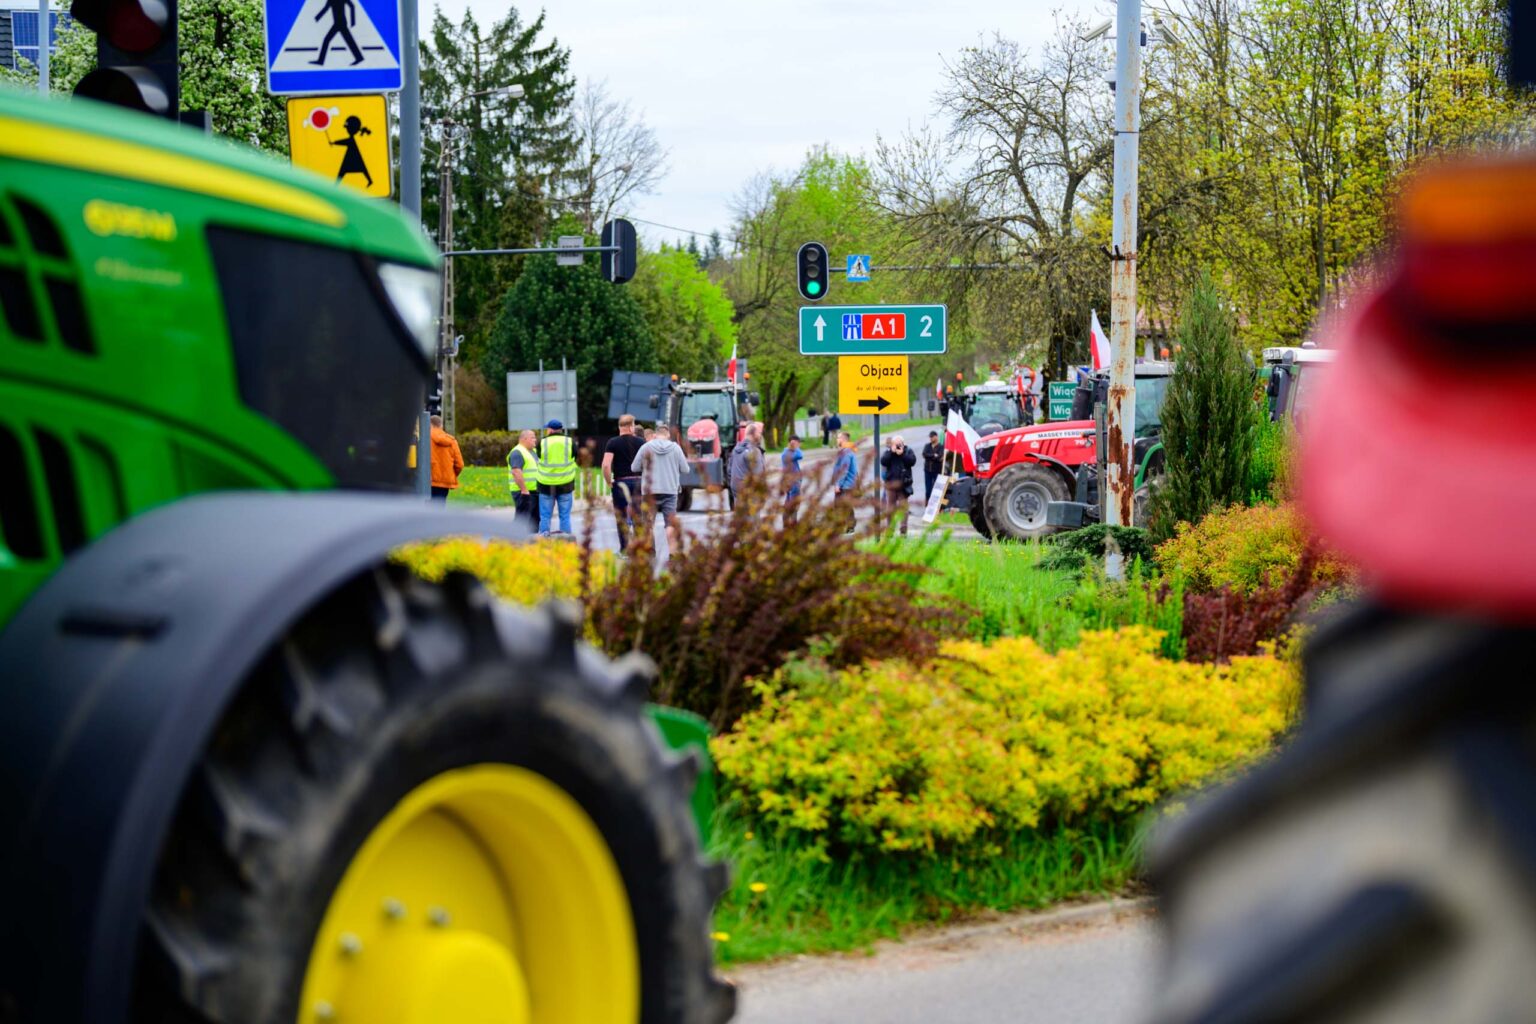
(1153, 458)
(112, 677)
(1067, 474)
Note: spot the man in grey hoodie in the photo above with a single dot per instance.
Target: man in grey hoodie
(747, 459)
(662, 464)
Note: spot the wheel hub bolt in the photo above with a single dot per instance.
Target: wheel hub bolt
(351, 945)
(325, 1011)
(394, 909)
(439, 917)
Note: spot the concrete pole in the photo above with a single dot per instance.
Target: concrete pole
(410, 185)
(43, 39)
(1121, 413)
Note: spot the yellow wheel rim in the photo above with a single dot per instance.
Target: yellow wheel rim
(487, 896)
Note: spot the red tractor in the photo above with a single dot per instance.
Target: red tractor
(1020, 472)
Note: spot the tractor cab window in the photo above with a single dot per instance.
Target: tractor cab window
(1150, 392)
(717, 405)
(995, 408)
(1304, 388)
(320, 352)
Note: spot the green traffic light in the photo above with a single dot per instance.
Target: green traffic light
(814, 287)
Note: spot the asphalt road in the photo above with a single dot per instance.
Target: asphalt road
(1074, 972)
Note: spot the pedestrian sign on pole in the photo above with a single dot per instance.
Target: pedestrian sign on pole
(873, 385)
(1058, 399)
(871, 330)
(332, 46)
(858, 268)
(343, 137)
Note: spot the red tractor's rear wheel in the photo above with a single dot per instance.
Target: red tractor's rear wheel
(1016, 500)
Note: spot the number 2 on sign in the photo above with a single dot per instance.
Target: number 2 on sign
(927, 327)
(885, 326)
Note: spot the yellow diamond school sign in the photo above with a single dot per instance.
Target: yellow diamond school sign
(343, 137)
(873, 384)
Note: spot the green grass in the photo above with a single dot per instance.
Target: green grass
(1012, 593)
(810, 905)
(486, 487)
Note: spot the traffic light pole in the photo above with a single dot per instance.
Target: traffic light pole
(410, 186)
(1120, 415)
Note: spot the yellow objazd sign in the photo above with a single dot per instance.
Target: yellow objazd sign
(343, 137)
(873, 384)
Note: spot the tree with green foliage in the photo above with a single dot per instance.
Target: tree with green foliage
(510, 156)
(223, 69)
(689, 315)
(570, 312)
(1208, 416)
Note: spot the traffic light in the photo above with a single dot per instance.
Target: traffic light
(435, 395)
(812, 265)
(136, 58)
(618, 267)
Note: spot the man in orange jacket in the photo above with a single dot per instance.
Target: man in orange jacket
(447, 462)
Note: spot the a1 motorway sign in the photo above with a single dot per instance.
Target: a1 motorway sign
(873, 330)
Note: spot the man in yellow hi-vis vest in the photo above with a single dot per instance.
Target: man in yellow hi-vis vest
(557, 476)
(523, 476)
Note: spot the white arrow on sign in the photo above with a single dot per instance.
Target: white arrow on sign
(821, 325)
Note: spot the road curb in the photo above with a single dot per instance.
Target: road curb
(1019, 923)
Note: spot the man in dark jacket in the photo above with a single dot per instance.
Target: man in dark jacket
(896, 469)
(933, 463)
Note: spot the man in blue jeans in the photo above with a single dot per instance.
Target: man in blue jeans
(845, 473)
(557, 477)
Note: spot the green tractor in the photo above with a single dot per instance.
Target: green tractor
(252, 771)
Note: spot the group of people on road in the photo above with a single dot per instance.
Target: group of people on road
(649, 470)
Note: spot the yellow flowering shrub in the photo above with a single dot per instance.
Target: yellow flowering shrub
(994, 739)
(527, 573)
(1245, 549)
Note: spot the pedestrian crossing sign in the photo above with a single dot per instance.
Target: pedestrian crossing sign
(333, 46)
(858, 268)
(345, 138)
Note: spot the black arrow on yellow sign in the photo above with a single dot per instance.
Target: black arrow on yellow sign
(876, 404)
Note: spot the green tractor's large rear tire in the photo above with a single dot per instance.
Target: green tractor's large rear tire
(428, 807)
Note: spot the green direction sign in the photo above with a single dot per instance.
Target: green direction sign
(873, 330)
(1058, 399)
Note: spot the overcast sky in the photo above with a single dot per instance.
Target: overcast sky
(734, 87)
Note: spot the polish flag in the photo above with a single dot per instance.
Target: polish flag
(730, 368)
(938, 390)
(1098, 342)
(960, 436)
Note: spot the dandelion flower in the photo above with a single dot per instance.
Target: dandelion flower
(758, 887)
(721, 936)
(749, 837)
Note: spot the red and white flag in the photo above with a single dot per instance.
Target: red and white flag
(1098, 342)
(960, 436)
(938, 390)
(730, 368)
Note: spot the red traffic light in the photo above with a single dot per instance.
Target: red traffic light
(133, 26)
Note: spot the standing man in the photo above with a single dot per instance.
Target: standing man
(621, 476)
(933, 463)
(523, 476)
(897, 465)
(662, 465)
(447, 461)
(748, 459)
(845, 474)
(789, 464)
(830, 425)
(557, 476)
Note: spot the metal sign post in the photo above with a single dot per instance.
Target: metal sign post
(1120, 425)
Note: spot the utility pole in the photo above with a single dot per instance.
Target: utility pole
(445, 240)
(44, 37)
(1120, 419)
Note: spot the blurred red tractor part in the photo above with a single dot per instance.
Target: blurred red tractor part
(1419, 462)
